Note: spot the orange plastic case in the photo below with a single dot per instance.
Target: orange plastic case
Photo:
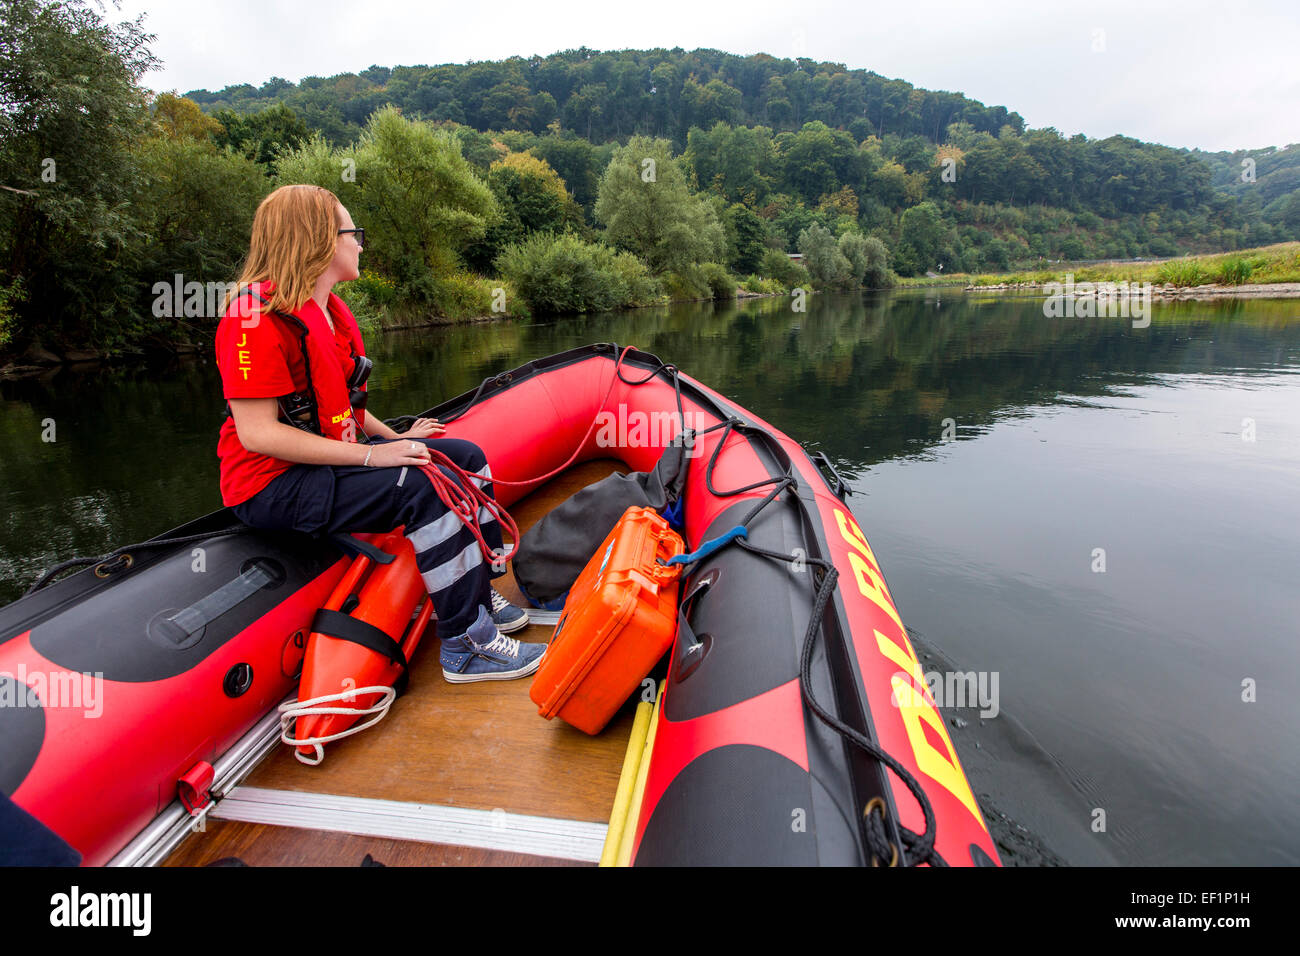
(619, 619)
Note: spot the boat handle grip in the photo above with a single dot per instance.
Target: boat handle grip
(842, 490)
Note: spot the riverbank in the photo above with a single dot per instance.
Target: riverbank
(1274, 290)
(37, 360)
(1262, 272)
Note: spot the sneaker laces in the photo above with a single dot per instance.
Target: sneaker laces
(503, 645)
(498, 602)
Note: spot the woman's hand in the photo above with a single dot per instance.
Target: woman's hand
(398, 454)
(424, 428)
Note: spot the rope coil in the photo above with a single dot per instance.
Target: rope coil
(464, 497)
(292, 710)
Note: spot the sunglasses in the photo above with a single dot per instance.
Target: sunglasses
(359, 234)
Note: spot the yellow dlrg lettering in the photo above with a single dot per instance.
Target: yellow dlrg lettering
(873, 587)
(914, 704)
(915, 707)
(942, 767)
(865, 568)
(853, 535)
(902, 658)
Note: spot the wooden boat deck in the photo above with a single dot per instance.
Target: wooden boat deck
(475, 746)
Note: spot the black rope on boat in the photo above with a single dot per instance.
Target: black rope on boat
(920, 846)
(732, 424)
(490, 380)
(401, 423)
(688, 436)
(48, 577)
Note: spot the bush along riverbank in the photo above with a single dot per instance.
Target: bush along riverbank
(445, 244)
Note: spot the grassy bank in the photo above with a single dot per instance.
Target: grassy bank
(1264, 265)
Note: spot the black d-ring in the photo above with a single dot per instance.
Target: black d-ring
(877, 805)
(238, 679)
(122, 562)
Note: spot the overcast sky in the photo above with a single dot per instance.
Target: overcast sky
(1212, 75)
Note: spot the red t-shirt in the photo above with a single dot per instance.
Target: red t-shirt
(259, 356)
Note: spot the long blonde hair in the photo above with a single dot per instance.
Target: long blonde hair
(295, 233)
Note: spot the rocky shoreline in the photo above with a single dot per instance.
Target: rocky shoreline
(38, 360)
(1168, 291)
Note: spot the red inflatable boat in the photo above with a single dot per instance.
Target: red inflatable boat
(795, 725)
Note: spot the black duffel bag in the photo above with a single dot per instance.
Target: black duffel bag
(553, 552)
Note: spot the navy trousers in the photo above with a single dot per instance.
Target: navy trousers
(331, 499)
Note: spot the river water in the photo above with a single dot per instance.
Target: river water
(1100, 521)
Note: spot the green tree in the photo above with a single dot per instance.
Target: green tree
(1285, 213)
(409, 185)
(11, 293)
(735, 162)
(854, 247)
(823, 259)
(536, 193)
(816, 161)
(578, 162)
(196, 207)
(746, 239)
(709, 103)
(777, 265)
(557, 274)
(789, 217)
(261, 136)
(888, 185)
(70, 110)
(178, 118)
(531, 198)
(878, 274)
(647, 208)
(921, 238)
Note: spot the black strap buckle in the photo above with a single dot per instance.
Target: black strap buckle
(351, 544)
(348, 628)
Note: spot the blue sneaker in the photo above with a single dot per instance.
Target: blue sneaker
(483, 653)
(506, 616)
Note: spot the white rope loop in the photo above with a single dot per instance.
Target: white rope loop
(290, 712)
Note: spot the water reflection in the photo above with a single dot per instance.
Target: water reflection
(1069, 435)
(863, 378)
